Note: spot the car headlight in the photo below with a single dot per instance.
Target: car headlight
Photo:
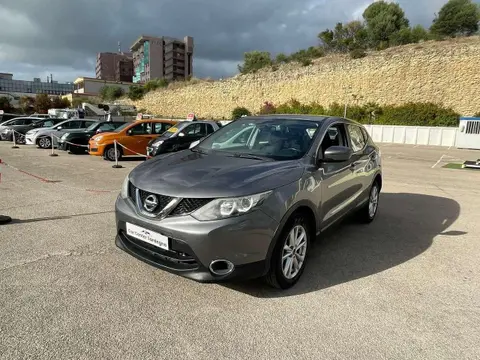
(64, 136)
(124, 191)
(158, 143)
(229, 207)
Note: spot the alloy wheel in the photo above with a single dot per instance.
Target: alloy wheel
(373, 201)
(294, 252)
(44, 142)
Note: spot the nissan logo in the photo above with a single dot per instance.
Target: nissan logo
(150, 203)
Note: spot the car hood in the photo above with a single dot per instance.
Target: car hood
(155, 141)
(192, 174)
(105, 136)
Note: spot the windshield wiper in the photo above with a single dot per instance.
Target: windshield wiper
(250, 156)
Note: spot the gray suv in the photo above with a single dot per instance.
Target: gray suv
(249, 199)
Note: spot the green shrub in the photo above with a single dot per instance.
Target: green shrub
(418, 114)
(238, 112)
(155, 84)
(414, 114)
(135, 92)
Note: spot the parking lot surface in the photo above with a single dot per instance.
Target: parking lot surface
(406, 286)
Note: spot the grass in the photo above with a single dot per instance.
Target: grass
(453, 166)
(457, 166)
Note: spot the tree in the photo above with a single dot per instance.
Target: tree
(135, 92)
(42, 103)
(282, 58)
(344, 37)
(60, 103)
(383, 20)
(254, 61)
(419, 33)
(238, 112)
(26, 104)
(5, 104)
(456, 18)
(110, 93)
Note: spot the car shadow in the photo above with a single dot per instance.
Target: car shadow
(405, 227)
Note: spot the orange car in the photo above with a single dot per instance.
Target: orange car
(132, 138)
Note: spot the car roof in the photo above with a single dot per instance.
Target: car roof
(316, 118)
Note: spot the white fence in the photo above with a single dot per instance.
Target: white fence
(415, 135)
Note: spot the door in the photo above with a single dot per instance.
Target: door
(360, 160)
(338, 184)
(137, 138)
(65, 127)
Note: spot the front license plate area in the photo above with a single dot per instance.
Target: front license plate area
(148, 236)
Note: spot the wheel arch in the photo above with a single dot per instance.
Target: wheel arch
(305, 208)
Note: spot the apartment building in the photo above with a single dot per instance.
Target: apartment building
(114, 66)
(162, 58)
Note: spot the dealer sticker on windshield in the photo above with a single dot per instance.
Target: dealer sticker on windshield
(148, 236)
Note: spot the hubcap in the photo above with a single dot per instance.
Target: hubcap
(373, 203)
(294, 251)
(44, 142)
(112, 154)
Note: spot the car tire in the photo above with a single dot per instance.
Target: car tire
(369, 211)
(109, 153)
(44, 142)
(281, 274)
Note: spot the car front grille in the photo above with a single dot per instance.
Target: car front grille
(184, 207)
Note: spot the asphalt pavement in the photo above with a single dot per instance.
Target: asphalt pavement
(406, 286)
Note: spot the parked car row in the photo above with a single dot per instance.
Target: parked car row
(149, 137)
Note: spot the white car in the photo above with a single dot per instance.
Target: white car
(43, 137)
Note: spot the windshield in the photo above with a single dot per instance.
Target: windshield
(278, 139)
(172, 130)
(92, 127)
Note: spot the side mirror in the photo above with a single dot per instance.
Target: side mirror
(59, 128)
(337, 154)
(181, 134)
(195, 143)
(129, 132)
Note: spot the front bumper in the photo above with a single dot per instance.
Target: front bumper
(62, 145)
(29, 140)
(193, 244)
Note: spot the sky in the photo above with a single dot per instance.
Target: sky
(62, 37)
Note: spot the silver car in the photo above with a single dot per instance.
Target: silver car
(249, 199)
(42, 137)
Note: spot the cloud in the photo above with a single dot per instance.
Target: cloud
(61, 37)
